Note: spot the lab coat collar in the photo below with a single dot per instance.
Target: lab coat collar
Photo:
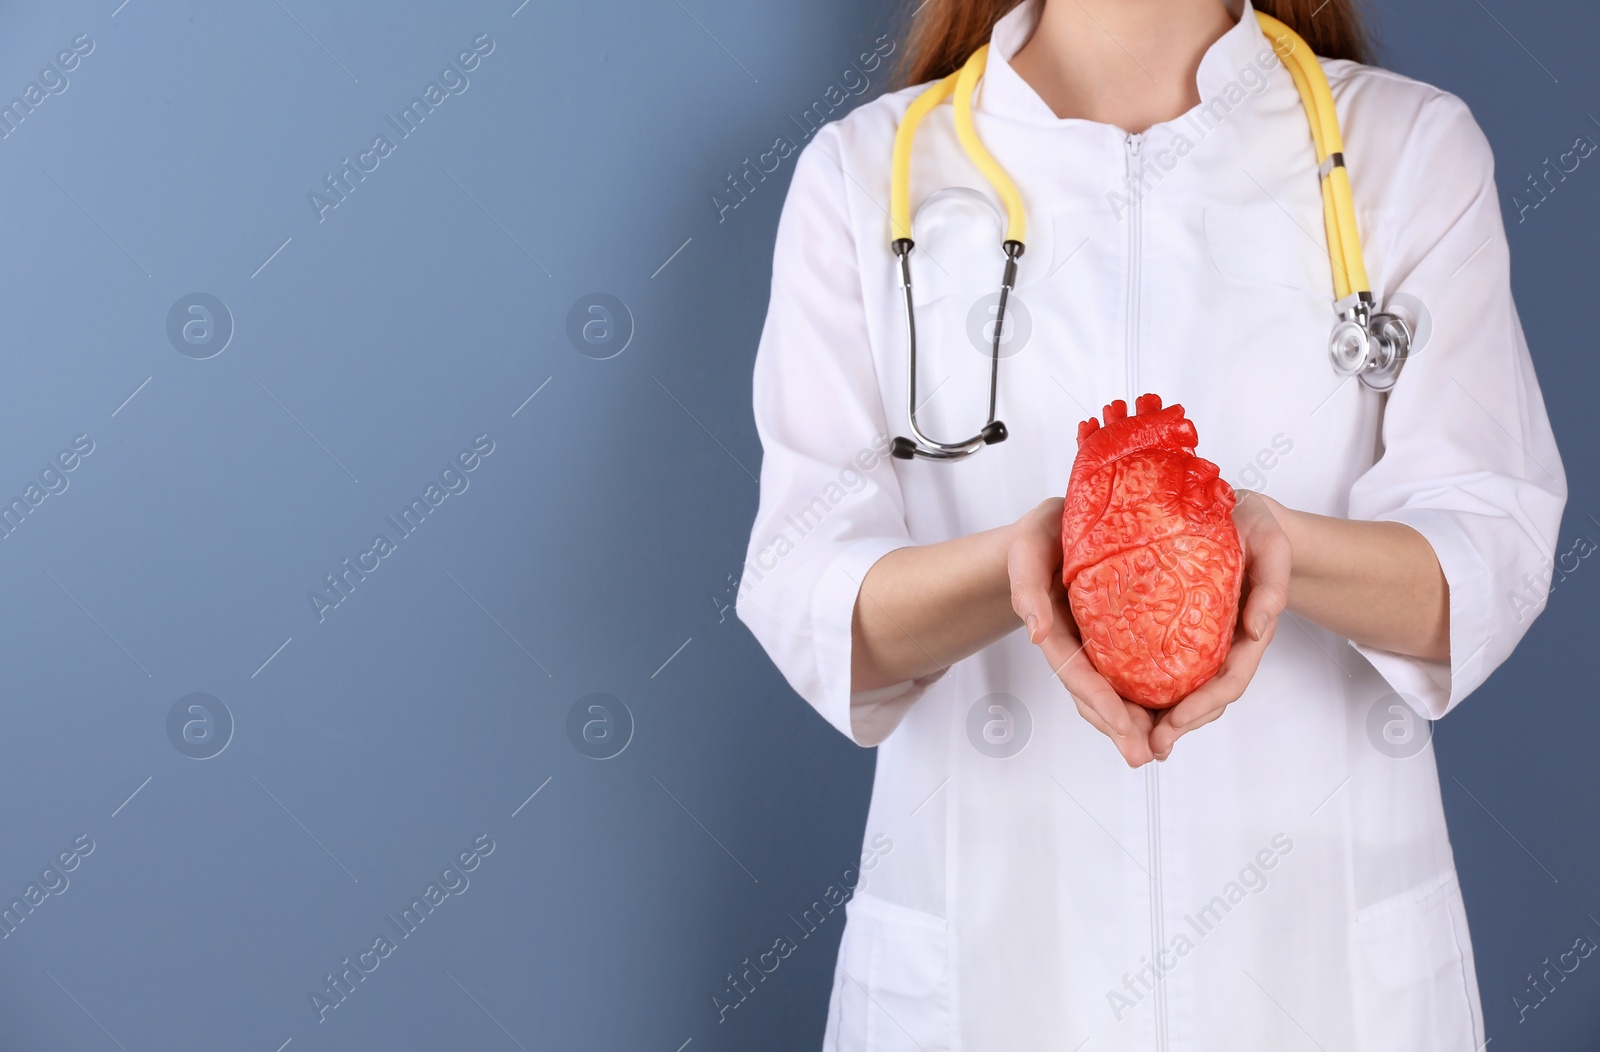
(1004, 93)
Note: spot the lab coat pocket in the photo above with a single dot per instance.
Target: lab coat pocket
(1261, 245)
(893, 988)
(1413, 965)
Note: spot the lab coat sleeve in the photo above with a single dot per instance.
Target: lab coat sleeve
(830, 503)
(1468, 457)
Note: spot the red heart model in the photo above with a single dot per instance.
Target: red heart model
(1152, 561)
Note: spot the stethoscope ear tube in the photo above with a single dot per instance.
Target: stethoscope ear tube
(993, 430)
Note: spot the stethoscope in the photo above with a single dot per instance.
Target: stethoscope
(1371, 345)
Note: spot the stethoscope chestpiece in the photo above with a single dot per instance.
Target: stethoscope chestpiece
(1372, 347)
(1348, 347)
(1391, 345)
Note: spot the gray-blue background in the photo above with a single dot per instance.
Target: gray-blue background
(591, 552)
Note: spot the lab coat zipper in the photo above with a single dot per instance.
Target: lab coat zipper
(1152, 788)
(1135, 166)
(1136, 196)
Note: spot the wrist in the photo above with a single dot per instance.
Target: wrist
(1287, 518)
(1046, 515)
(1294, 525)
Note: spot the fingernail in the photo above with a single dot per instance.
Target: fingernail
(1033, 627)
(1260, 626)
(1163, 757)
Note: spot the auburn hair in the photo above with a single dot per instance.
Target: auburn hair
(945, 33)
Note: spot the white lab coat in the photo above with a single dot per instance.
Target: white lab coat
(1286, 877)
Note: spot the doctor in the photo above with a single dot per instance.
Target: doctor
(1265, 865)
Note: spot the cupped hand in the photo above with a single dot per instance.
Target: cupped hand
(1268, 560)
(1034, 560)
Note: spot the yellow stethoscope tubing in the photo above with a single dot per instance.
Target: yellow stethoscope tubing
(1330, 206)
(1338, 210)
(904, 136)
(1344, 239)
(1016, 215)
(962, 83)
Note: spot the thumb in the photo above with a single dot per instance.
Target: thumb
(1032, 561)
(1036, 615)
(1266, 601)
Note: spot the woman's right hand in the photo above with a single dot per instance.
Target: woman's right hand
(1033, 560)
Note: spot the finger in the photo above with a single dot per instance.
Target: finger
(1143, 719)
(1201, 707)
(1095, 697)
(1124, 723)
(1142, 722)
(1210, 697)
(1092, 718)
(1135, 748)
(1078, 674)
(1164, 737)
(1209, 700)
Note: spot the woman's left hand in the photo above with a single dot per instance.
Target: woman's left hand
(1268, 558)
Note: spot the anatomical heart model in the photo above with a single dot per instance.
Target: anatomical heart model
(1152, 560)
